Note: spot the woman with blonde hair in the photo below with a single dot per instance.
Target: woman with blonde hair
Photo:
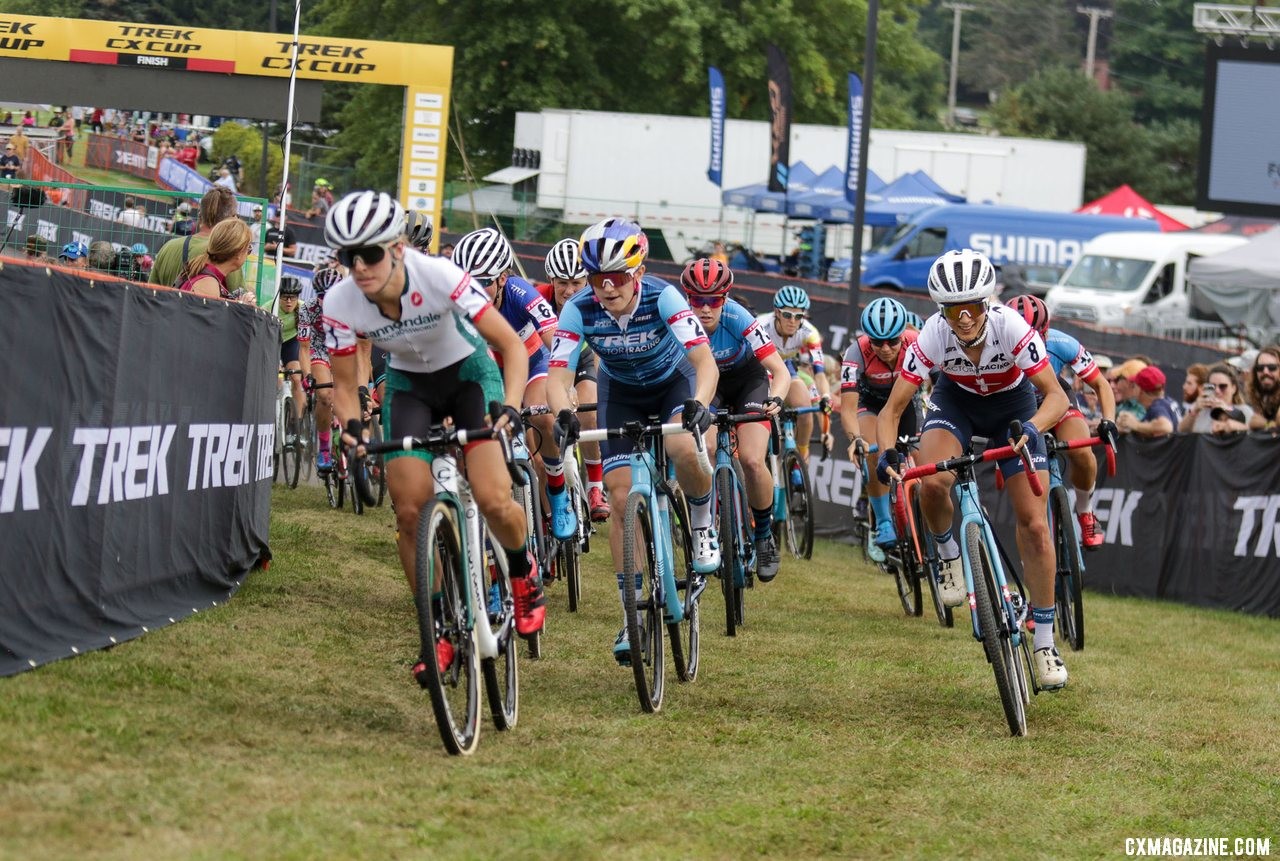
(228, 248)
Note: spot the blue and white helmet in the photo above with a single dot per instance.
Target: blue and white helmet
(791, 296)
(884, 318)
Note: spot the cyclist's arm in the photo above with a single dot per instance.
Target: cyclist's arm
(849, 414)
(708, 374)
(1055, 401)
(346, 400)
(559, 385)
(515, 359)
(899, 399)
(566, 351)
(779, 376)
(1106, 397)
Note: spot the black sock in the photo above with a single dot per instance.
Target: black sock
(518, 562)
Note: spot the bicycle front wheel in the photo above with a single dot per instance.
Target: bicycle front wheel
(644, 610)
(502, 672)
(568, 563)
(929, 563)
(452, 674)
(307, 444)
(799, 526)
(729, 558)
(992, 622)
(291, 455)
(686, 634)
(1068, 597)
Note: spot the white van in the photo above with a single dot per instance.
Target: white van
(1130, 280)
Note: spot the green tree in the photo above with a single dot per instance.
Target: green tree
(245, 142)
(1005, 42)
(1158, 58)
(1062, 104)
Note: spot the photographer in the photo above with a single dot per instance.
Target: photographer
(1220, 407)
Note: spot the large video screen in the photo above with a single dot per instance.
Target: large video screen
(1240, 132)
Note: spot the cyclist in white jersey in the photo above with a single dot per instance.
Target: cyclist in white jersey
(436, 324)
(991, 363)
(799, 343)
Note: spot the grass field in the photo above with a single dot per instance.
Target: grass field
(285, 725)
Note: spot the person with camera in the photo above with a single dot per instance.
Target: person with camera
(1220, 407)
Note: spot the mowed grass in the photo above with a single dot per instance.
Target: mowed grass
(285, 725)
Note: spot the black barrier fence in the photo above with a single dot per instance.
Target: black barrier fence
(1191, 518)
(136, 442)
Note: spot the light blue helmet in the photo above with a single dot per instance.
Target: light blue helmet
(791, 297)
(915, 321)
(884, 318)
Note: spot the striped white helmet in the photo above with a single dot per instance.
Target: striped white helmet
(961, 276)
(564, 260)
(485, 253)
(364, 218)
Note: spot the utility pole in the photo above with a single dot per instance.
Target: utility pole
(1094, 14)
(957, 9)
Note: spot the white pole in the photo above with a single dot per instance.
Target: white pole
(288, 143)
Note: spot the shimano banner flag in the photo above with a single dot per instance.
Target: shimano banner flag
(715, 169)
(136, 455)
(855, 140)
(780, 116)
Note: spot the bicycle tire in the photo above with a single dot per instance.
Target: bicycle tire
(995, 640)
(1067, 583)
(358, 470)
(455, 693)
(729, 558)
(647, 665)
(357, 503)
(929, 564)
(799, 527)
(568, 562)
(291, 456)
(502, 689)
(906, 577)
(307, 436)
(331, 489)
(380, 465)
(686, 635)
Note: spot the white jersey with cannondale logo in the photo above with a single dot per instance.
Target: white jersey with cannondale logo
(1012, 350)
(436, 309)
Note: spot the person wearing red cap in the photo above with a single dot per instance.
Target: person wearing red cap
(1158, 421)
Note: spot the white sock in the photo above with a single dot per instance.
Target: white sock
(1084, 500)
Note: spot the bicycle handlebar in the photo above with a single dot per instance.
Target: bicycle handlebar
(639, 430)
(1088, 442)
(439, 438)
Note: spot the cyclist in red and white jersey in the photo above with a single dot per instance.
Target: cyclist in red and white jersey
(991, 364)
(568, 276)
(436, 324)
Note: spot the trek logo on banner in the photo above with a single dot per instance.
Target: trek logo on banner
(1258, 526)
(1114, 507)
(125, 463)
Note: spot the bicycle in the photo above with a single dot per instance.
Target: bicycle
(793, 493)
(658, 552)
(864, 517)
(915, 556)
(288, 449)
(731, 512)
(998, 615)
(1066, 542)
(528, 494)
(563, 560)
(458, 565)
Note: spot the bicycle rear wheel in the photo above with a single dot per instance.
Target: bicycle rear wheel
(929, 564)
(530, 498)
(291, 460)
(993, 625)
(357, 502)
(441, 596)
(729, 558)
(333, 488)
(378, 464)
(799, 526)
(307, 441)
(643, 612)
(1068, 597)
(906, 576)
(501, 673)
(686, 634)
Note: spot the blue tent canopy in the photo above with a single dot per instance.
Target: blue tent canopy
(761, 199)
(827, 201)
(904, 197)
(929, 183)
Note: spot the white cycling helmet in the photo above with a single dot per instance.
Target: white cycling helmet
(418, 229)
(564, 260)
(364, 218)
(485, 253)
(961, 276)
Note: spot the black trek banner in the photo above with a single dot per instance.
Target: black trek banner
(136, 442)
(780, 118)
(1190, 518)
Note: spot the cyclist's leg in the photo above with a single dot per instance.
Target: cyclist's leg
(695, 483)
(946, 434)
(597, 501)
(295, 381)
(1084, 473)
(798, 395)
(324, 410)
(877, 492)
(564, 521)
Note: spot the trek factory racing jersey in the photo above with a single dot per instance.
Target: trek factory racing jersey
(640, 348)
(805, 344)
(863, 372)
(527, 312)
(311, 328)
(739, 338)
(1012, 350)
(436, 309)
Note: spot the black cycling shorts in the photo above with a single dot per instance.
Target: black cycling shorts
(965, 415)
(620, 403)
(743, 389)
(288, 351)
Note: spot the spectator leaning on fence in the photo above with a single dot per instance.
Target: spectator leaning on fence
(1126, 392)
(217, 205)
(1263, 387)
(1220, 407)
(1157, 418)
(207, 274)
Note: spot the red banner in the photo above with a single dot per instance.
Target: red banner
(108, 152)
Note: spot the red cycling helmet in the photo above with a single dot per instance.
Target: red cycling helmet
(706, 277)
(1032, 310)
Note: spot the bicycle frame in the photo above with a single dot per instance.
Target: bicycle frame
(1016, 607)
(746, 549)
(780, 443)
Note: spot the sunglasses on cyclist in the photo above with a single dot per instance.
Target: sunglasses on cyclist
(370, 255)
(616, 280)
(706, 301)
(956, 312)
(791, 315)
(887, 342)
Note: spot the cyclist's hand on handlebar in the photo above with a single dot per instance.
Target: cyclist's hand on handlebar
(828, 443)
(824, 403)
(886, 466)
(354, 436)
(505, 416)
(566, 429)
(1029, 432)
(772, 406)
(857, 448)
(308, 383)
(696, 417)
(1109, 433)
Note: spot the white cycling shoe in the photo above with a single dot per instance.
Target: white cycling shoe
(951, 582)
(1051, 672)
(706, 550)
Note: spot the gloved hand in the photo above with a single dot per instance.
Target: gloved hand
(308, 383)
(824, 403)
(887, 459)
(773, 405)
(514, 424)
(566, 429)
(696, 417)
(354, 434)
(1031, 432)
(1108, 433)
